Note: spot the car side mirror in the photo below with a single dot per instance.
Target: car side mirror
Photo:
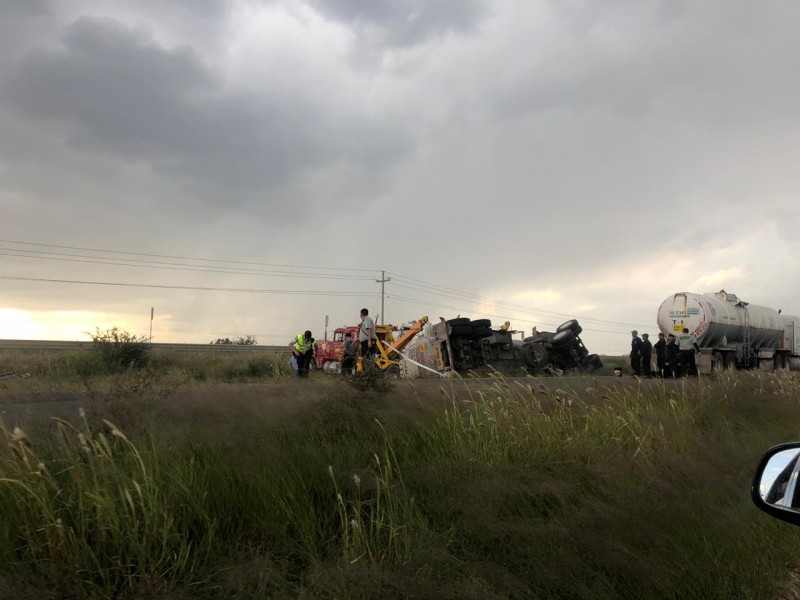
(776, 489)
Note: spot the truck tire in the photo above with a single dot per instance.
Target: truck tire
(461, 331)
(717, 362)
(571, 325)
(527, 355)
(534, 356)
(593, 360)
(458, 321)
(482, 332)
(562, 338)
(730, 361)
(480, 323)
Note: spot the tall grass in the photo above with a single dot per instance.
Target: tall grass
(94, 514)
(512, 490)
(48, 367)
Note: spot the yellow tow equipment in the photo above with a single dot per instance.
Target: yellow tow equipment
(388, 358)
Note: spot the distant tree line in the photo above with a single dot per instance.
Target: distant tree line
(242, 340)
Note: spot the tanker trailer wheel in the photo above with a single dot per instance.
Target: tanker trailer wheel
(730, 361)
(481, 323)
(571, 325)
(717, 362)
(457, 322)
(482, 332)
(562, 338)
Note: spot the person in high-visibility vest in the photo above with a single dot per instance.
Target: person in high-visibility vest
(303, 347)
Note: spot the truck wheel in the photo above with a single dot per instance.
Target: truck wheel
(562, 338)
(533, 355)
(482, 332)
(480, 323)
(592, 361)
(458, 322)
(461, 331)
(717, 362)
(571, 325)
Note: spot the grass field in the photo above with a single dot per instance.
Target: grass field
(177, 487)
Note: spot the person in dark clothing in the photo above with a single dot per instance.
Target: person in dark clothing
(672, 357)
(687, 346)
(646, 354)
(661, 354)
(349, 355)
(636, 344)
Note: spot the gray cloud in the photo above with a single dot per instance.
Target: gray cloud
(403, 23)
(114, 90)
(608, 153)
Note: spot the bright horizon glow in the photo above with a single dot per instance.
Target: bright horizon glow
(17, 324)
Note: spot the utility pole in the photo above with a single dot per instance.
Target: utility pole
(151, 323)
(382, 281)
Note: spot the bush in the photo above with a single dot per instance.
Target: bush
(120, 350)
(372, 378)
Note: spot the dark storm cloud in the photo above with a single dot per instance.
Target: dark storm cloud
(406, 23)
(115, 91)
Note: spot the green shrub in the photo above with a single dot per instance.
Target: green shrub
(119, 350)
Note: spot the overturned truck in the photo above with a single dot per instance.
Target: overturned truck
(462, 345)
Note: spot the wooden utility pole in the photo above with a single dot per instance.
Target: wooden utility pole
(382, 281)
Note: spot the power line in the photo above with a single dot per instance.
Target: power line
(237, 262)
(190, 287)
(468, 295)
(178, 266)
(509, 317)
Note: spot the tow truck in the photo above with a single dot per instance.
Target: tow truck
(330, 352)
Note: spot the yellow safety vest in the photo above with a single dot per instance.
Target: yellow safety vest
(301, 346)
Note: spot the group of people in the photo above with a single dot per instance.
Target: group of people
(304, 346)
(675, 357)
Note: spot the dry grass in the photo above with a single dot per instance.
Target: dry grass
(491, 489)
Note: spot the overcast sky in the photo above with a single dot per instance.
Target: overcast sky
(530, 161)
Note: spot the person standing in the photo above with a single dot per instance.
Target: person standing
(636, 345)
(661, 354)
(672, 357)
(687, 346)
(646, 354)
(303, 347)
(349, 355)
(366, 334)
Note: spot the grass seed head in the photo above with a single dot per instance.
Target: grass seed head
(18, 436)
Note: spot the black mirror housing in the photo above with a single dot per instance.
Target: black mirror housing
(776, 483)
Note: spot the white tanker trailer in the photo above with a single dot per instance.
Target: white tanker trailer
(732, 333)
